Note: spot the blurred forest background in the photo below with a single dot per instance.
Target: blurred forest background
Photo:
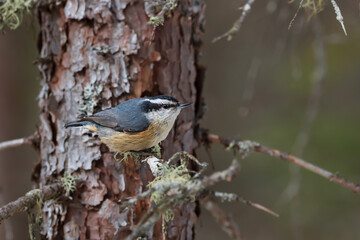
(257, 87)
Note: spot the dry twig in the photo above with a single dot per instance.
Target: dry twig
(225, 175)
(237, 24)
(208, 138)
(18, 142)
(225, 220)
(230, 197)
(296, 13)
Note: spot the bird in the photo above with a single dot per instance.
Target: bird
(134, 125)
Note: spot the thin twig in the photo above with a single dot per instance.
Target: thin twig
(237, 24)
(233, 197)
(17, 142)
(296, 13)
(207, 137)
(311, 167)
(225, 175)
(224, 220)
(28, 201)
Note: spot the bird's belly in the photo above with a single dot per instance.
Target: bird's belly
(122, 142)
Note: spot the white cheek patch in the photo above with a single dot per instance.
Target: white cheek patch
(163, 116)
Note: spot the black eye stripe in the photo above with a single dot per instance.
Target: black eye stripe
(148, 106)
(167, 106)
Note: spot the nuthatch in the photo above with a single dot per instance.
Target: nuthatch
(134, 125)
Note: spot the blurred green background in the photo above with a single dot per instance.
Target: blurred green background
(257, 87)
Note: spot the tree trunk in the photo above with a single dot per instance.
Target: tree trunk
(94, 55)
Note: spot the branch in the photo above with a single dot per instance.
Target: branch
(173, 190)
(256, 147)
(296, 13)
(28, 201)
(233, 197)
(237, 24)
(225, 220)
(19, 142)
(225, 175)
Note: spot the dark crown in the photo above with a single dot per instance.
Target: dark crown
(165, 97)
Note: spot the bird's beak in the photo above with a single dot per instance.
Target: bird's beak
(184, 105)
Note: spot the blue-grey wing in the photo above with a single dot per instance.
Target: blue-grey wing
(125, 118)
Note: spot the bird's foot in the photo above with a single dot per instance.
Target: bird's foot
(157, 150)
(124, 156)
(138, 155)
(153, 151)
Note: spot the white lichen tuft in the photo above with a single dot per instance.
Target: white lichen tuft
(339, 16)
(242, 147)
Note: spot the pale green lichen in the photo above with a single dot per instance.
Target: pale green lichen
(11, 12)
(156, 21)
(245, 147)
(231, 146)
(173, 185)
(169, 215)
(242, 147)
(313, 7)
(156, 150)
(34, 213)
(169, 175)
(69, 183)
(89, 99)
(166, 8)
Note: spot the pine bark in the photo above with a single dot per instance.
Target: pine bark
(94, 55)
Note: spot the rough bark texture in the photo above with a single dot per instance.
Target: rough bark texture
(96, 54)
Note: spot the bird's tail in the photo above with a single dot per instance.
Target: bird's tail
(76, 124)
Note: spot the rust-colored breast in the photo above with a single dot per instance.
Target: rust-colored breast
(122, 142)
